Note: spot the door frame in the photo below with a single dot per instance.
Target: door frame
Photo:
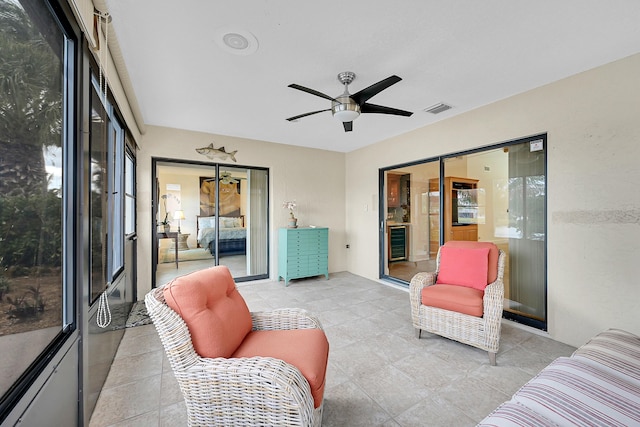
(155, 204)
(382, 212)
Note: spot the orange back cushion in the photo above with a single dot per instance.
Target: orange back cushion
(492, 272)
(214, 311)
(463, 267)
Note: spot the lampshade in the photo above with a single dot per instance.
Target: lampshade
(345, 109)
(346, 115)
(178, 215)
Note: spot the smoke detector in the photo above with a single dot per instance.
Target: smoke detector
(236, 41)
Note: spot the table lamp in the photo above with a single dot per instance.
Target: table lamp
(179, 215)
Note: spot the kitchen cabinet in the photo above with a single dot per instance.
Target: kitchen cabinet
(464, 232)
(460, 210)
(393, 190)
(303, 252)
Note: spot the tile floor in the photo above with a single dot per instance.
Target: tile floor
(379, 374)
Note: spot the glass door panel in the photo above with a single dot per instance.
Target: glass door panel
(411, 220)
(216, 215)
(498, 196)
(526, 296)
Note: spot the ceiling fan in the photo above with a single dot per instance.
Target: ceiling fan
(225, 178)
(347, 107)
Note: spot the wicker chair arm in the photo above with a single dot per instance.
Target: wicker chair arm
(493, 299)
(257, 390)
(284, 318)
(418, 282)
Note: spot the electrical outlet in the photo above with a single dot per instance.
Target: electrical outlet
(347, 246)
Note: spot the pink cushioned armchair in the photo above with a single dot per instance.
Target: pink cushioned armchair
(236, 367)
(463, 299)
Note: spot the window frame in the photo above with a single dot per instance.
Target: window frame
(114, 207)
(70, 208)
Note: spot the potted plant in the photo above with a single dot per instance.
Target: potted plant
(166, 224)
(293, 221)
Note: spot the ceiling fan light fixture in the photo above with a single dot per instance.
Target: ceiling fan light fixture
(346, 115)
(345, 110)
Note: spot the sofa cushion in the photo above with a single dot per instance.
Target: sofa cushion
(513, 414)
(309, 353)
(494, 253)
(614, 350)
(571, 392)
(460, 299)
(214, 311)
(463, 267)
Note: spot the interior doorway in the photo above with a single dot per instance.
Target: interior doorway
(209, 214)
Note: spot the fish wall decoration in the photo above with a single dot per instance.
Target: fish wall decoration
(211, 152)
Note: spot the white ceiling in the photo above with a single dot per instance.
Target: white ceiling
(466, 53)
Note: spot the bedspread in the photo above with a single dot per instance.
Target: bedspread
(207, 235)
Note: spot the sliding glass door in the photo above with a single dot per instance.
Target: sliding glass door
(210, 214)
(493, 195)
(411, 222)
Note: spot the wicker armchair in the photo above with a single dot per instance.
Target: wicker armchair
(245, 391)
(478, 331)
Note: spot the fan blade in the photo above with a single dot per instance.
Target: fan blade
(348, 126)
(311, 91)
(362, 96)
(306, 114)
(379, 109)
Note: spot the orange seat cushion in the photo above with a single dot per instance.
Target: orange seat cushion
(306, 349)
(215, 313)
(494, 252)
(460, 299)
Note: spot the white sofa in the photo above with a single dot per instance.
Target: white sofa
(599, 385)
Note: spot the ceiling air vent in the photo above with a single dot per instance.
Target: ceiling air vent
(438, 108)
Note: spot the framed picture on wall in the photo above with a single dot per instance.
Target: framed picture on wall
(207, 196)
(229, 197)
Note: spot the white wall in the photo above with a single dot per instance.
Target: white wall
(593, 126)
(314, 178)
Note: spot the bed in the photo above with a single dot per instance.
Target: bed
(233, 234)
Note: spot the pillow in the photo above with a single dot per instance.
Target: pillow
(206, 222)
(230, 222)
(214, 311)
(464, 267)
(227, 222)
(494, 254)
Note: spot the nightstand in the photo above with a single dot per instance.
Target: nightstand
(182, 241)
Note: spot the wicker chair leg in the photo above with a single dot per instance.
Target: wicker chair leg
(418, 332)
(492, 358)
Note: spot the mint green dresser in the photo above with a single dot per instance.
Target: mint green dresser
(303, 252)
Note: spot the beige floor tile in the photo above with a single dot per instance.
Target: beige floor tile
(379, 373)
